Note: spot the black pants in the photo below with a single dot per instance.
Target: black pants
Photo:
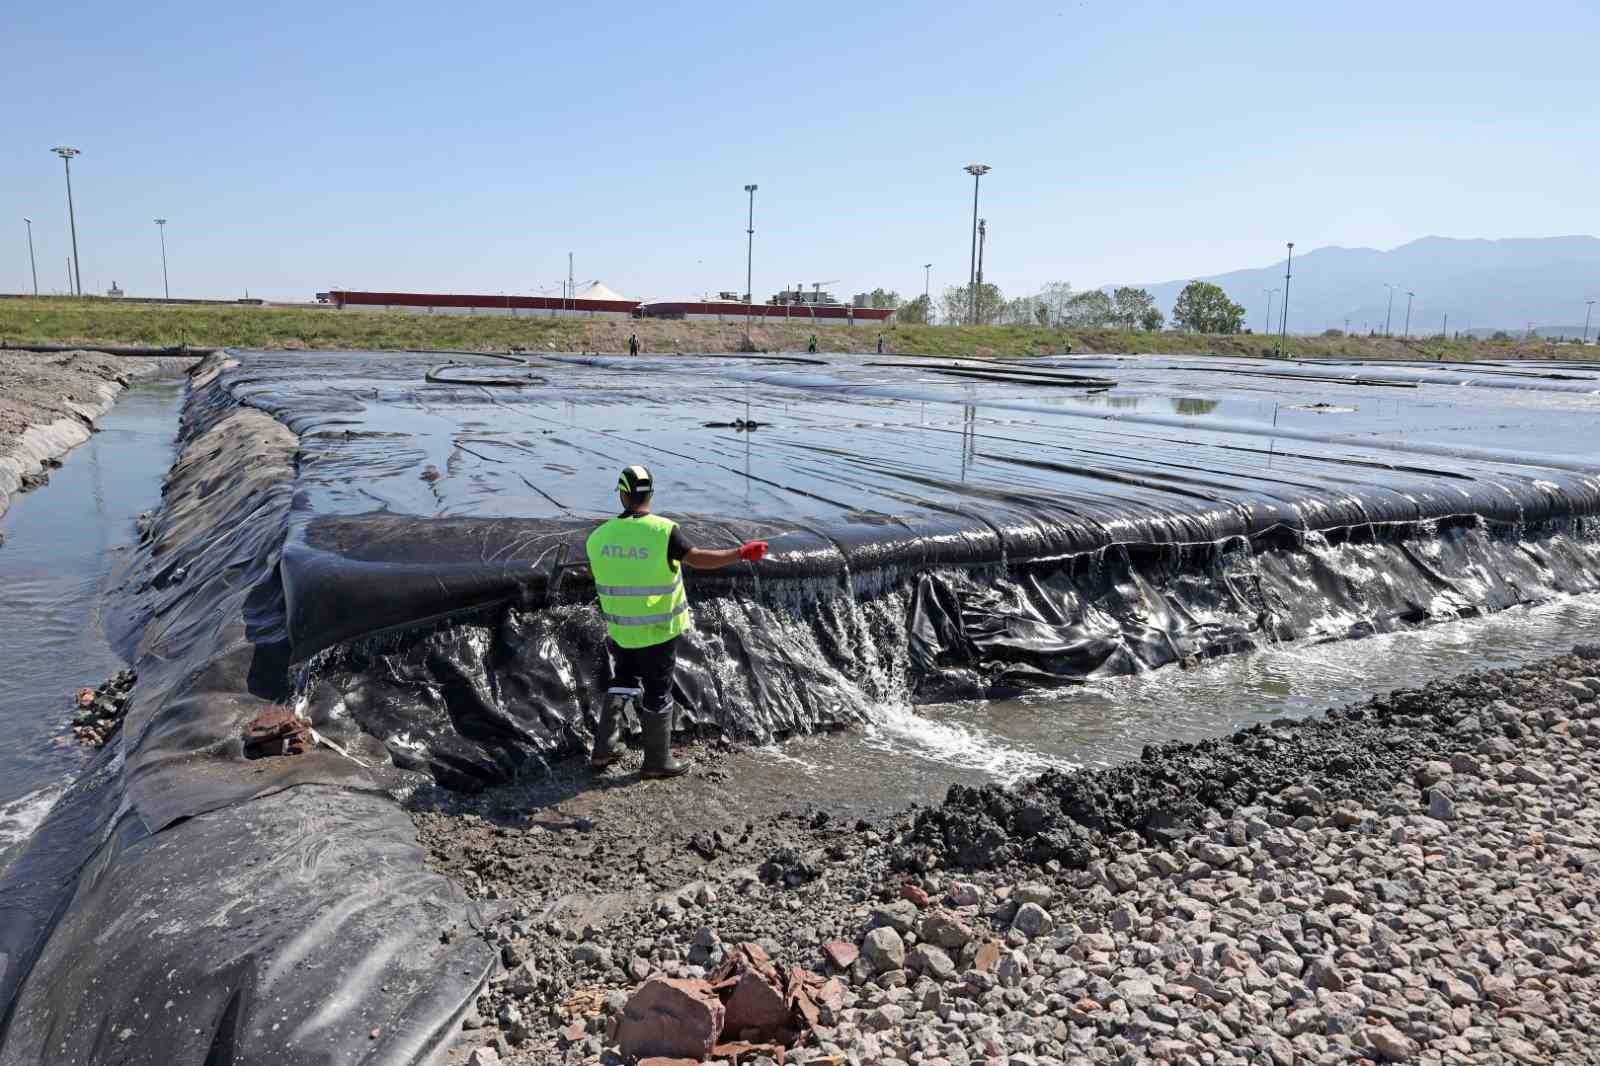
(648, 668)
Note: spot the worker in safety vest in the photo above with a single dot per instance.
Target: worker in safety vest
(637, 560)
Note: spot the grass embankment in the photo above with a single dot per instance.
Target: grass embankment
(89, 322)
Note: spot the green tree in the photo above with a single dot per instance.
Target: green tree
(957, 304)
(1129, 306)
(1152, 320)
(1204, 308)
(882, 298)
(918, 312)
(1088, 310)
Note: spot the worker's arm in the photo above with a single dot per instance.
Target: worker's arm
(707, 559)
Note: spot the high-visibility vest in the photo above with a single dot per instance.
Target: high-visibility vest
(641, 589)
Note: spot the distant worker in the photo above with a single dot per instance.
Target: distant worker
(637, 560)
(811, 345)
(880, 344)
(633, 344)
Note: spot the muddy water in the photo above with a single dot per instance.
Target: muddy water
(915, 755)
(63, 548)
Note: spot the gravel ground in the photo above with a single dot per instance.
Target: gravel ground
(1407, 880)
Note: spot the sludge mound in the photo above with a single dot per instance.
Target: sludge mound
(1299, 766)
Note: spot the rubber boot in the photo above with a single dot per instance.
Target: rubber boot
(658, 760)
(608, 733)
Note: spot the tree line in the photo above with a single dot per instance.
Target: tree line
(1201, 308)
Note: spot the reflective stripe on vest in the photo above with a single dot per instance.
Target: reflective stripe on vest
(644, 619)
(642, 597)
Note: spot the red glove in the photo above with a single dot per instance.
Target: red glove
(753, 551)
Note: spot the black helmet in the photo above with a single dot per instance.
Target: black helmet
(635, 481)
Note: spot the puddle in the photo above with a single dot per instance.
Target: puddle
(914, 756)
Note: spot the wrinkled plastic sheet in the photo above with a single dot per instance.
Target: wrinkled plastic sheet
(965, 528)
(183, 905)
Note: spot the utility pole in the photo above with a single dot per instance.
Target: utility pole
(1347, 327)
(1409, 295)
(749, 264)
(1586, 313)
(66, 155)
(1387, 315)
(927, 304)
(33, 266)
(1283, 338)
(1270, 293)
(1444, 330)
(983, 233)
(161, 228)
(977, 170)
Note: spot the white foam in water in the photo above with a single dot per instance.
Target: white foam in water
(900, 729)
(21, 816)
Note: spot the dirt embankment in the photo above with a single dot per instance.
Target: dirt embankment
(1407, 880)
(49, 403)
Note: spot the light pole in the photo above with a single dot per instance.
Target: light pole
(1586, 313)
(983, 236)
(749, 263)
(1389, 314)
(33, 266)
(927, 305)
(1409, 295)
(161, 228)
(977, 170)
(1283, 336)
(66, 155)
(1270, 293)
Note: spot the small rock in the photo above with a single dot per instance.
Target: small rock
(592, 955)
(945, 930)
(484, 1056)
(914, 895)
(841, 954)
(1032, 921)
(523, 981)
(667, 1017)
(965, 894)
(1012, 969)
(1390, 1043)
(883, 950)
(931, 961)
(1033, 892)
(1432, 772)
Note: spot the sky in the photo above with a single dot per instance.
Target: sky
(469, 147)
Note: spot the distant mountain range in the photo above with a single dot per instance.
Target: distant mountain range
(1482, 285)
